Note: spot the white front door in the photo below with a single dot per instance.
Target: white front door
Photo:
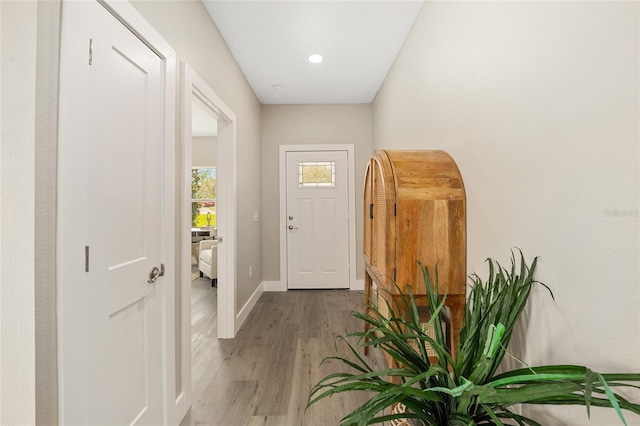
(112, 113)
(317, 220)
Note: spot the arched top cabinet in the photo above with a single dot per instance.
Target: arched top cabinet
(415, 210)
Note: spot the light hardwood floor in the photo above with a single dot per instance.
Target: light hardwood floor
(263, 376)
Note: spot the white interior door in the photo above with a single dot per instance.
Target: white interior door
(317, 220)
(118, 108)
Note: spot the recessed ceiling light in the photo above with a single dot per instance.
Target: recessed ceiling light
(277, 87)
(315, 58)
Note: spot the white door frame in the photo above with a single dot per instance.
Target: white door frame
(193, 86)
(283, 206)
(72, 220)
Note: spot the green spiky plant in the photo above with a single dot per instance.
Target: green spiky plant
(466, 390)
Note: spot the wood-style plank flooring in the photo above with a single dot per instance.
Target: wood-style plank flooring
(263, 376)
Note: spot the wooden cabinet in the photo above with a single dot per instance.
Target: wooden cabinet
(414, 210)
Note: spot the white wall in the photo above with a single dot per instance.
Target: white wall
(28, 371)
(538, 104)
(204, 151)
(188, 28)
(301, 125)
(47, 74)
(17, 200)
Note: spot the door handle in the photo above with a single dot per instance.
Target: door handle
(291, 227)
(155, 273)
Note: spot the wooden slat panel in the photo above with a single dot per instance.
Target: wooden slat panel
(379, 219)
(367, 220)
(430, 194)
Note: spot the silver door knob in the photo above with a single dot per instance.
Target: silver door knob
(291, 227)
(155, 273)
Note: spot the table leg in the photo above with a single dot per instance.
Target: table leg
(194, 251)
(368, 294)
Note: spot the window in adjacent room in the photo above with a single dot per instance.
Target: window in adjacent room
(203, 196)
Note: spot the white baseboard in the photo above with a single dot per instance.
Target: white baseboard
(248, 307)
(357, 285)
(274, 286)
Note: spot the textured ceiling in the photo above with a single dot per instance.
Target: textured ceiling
(271, 41)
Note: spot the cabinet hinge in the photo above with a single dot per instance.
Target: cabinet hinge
(86, 258)
(371, 211)
(90, 51)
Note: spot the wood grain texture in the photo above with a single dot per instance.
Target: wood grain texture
(264, 375)
(421, 196)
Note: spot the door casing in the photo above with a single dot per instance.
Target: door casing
(282, 285)
(193, 86)
(71, 218)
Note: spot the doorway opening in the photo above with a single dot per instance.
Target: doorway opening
(204, 159)
(207, 232)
